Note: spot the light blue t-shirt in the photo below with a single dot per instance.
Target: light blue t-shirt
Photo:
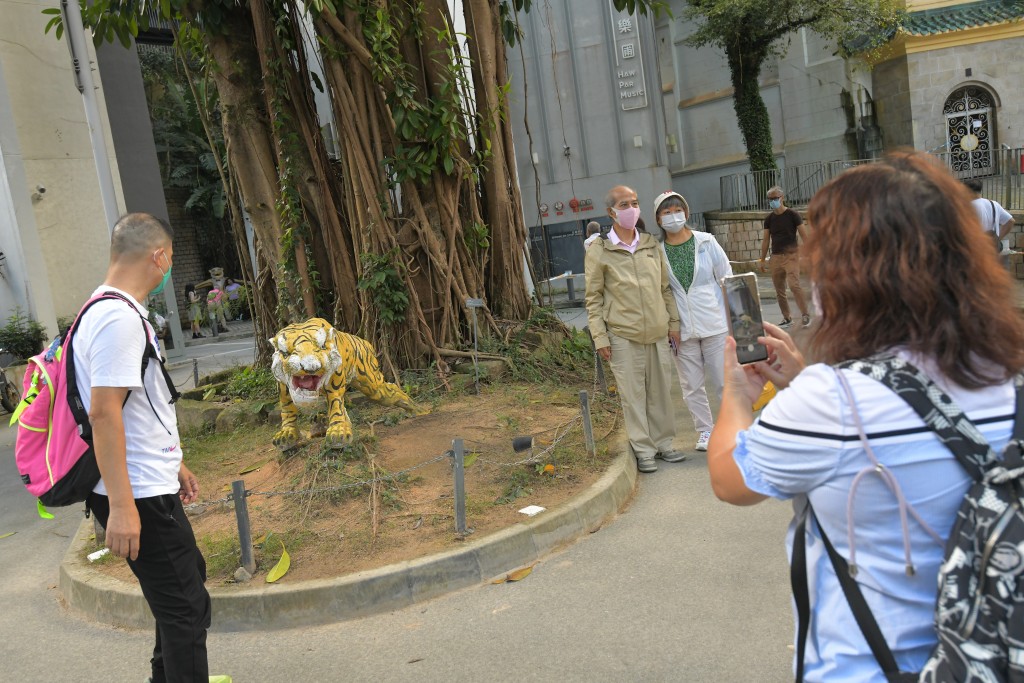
(805, 443)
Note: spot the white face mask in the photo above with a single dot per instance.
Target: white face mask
(673, 222)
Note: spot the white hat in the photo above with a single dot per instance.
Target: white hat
(665, 195)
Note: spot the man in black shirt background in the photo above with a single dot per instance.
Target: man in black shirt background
(781, 228)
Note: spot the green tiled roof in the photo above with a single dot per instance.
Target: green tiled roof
(963, 16)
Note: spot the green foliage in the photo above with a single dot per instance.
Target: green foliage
(749, 31)
(252, 383)
(64, 322)
(517, 486)
(430, 129)
(477, 236)
(22, 336)
(183, 149)
(384, 283)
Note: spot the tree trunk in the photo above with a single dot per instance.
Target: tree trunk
(502, 206)
(751, 112)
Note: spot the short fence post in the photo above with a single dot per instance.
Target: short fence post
(244, 530)
(600, 365)
(473, 304)
(101, 533)
(195, 372)
(459, 454)
(588, 427)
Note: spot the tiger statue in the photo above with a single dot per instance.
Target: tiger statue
(312, 357)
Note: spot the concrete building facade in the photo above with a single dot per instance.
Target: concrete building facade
(52, 228)
(953, 66)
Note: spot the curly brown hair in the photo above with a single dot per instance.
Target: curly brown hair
(898, 258)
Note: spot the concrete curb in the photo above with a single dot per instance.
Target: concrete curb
(119, 603)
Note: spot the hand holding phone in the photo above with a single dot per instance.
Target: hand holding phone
(743, 313)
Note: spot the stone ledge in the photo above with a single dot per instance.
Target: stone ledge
(120, 603)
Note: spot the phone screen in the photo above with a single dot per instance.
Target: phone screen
(744, 316)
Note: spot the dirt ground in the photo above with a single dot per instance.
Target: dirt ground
(340, 524)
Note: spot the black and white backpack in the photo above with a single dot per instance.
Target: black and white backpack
(979, 612)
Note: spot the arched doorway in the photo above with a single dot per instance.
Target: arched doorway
(970, 131)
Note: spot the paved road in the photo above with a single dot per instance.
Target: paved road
(678, 588)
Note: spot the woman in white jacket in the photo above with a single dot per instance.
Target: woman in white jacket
(698, 264)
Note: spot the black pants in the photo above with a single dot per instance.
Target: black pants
(172, 572)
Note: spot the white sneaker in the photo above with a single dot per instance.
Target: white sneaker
(702, 441)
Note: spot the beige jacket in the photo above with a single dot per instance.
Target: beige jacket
(628, 295)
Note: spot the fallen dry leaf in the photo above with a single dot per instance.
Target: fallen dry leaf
(517, 575)
(520, 574)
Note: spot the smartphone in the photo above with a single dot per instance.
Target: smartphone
(743, 312)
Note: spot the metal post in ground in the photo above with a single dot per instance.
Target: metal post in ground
(588, 427)
(601, 382)
(459, 470)
(195, 372)
(244, 530)
(474, 304)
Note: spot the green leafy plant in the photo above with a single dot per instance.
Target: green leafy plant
(252, 383)
(385, 285)
(517, 486)
(22, 336)
(64, 322)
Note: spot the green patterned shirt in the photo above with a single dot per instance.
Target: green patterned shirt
(682, 259)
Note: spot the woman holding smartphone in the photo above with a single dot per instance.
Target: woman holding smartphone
(893, 246)
(697, 265)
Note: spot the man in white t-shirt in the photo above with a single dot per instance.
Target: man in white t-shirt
(994, 219)
(135, 435)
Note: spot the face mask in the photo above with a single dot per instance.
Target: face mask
(163, 283)
(627, 218)
(774, 203)
(673, 222)
(815, 300)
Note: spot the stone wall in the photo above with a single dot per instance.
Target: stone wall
(739, 232)
(891, 89)
(189, 266)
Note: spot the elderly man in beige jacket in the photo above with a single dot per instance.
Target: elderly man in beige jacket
(633, 318)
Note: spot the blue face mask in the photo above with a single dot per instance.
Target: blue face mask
(163, 283)
(774, 203)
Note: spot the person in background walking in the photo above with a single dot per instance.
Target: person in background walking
(995, 220)
(195, 310)
(781, 228)
(697, 264)
(633, 316)
(233, 290)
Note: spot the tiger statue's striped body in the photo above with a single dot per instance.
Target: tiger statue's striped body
(311, 358)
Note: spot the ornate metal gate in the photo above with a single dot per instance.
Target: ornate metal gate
(969, 132)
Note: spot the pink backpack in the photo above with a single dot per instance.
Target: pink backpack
(53, 450)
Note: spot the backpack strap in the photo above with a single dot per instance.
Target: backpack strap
(854, 597)
(74, 396)
(944, 417)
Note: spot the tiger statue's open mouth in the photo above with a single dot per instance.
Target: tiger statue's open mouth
(305, 357)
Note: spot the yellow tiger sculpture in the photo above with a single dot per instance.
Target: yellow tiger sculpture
(312, 357)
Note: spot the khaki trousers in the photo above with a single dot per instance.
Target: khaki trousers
(786, 269)
(642, 376)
